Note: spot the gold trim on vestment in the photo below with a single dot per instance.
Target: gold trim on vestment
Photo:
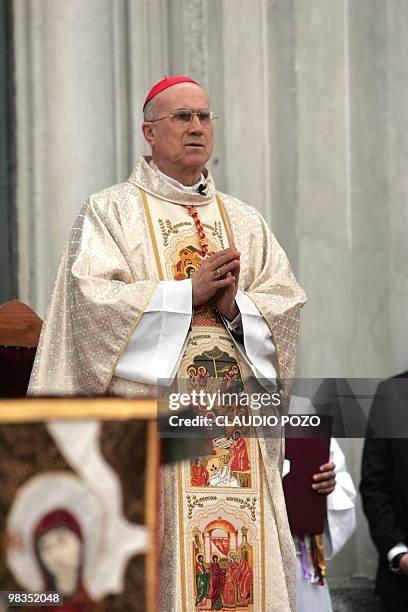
(151, 509)
(262, 481)
(152, 234)
(225, 220)
(34, 409)
(181, 527)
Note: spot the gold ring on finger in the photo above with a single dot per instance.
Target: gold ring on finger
(216, 274)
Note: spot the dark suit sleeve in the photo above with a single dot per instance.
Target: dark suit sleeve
(376, 479)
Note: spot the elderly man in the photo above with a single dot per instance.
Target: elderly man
(164, 277)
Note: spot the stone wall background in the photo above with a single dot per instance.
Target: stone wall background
(313, 132)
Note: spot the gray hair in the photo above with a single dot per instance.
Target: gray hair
(149, 111)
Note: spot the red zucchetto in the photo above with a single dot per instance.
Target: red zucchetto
(165, 84)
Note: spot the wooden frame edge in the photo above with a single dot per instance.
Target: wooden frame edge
(30, 410)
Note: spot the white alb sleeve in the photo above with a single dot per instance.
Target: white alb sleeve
(341, 514)
(257, 347)
(396, 550)
(156, 346)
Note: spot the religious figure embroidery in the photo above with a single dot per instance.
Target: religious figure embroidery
(229, 466)
(189, 262)
(59, 549)
(224, 575)
(199, 473)
(202, 580)
(182, 253)
(54, 530)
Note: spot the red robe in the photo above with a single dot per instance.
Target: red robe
(240, 462)
(232, 576)
(199, 476)
(217, 582)
(245, 580)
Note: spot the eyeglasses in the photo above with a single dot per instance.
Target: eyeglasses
(183, 116)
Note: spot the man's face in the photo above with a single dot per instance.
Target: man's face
(177, 148)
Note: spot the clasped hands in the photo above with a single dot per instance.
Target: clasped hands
(218, 278)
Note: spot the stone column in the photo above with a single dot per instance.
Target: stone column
(72, 109)
(246, 121)
(396, 82)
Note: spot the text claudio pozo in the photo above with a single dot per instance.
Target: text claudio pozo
(207, 402)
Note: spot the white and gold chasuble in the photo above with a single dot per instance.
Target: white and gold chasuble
(218, 548)
(225, 541)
